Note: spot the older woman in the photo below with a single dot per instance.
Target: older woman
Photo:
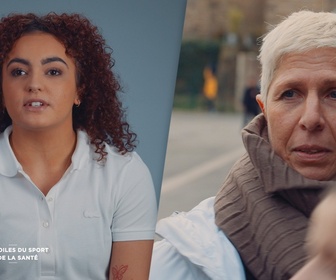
(76, 202)
(267, 199)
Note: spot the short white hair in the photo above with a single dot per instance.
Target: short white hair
(300, 32)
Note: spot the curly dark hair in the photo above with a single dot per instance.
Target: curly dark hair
(100, 113)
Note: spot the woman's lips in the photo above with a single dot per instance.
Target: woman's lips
(311, 149)
(35, 104)
(311, 152)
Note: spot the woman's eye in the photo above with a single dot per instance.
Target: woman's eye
(333, 94)
(18, 72)
(54, 72)
(288, 94)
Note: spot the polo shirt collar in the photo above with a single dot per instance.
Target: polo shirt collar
(83, 152)
(9, 165)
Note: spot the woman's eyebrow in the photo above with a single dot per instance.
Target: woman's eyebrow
(18, 60)
(53, 59)
(43, 61)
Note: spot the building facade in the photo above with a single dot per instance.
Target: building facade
(239, 24)
(208, 19)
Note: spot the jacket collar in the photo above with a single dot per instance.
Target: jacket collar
(273, 171)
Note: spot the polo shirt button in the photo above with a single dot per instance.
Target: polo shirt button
(45, 224)
(50, 199)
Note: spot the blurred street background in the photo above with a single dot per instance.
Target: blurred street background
(201, 149)
(217, 81)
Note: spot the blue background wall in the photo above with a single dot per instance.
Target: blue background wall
(145, 36)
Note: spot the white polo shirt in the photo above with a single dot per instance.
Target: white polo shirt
(68, 234)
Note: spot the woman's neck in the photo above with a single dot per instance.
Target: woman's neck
(46, 145)
(44, 155)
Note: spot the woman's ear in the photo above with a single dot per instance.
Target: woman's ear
(77, 102)
(80, 94)
(261, 104)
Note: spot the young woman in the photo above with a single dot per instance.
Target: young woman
(76, 202)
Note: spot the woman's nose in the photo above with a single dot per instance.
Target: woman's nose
(312, 118)
(34, 83)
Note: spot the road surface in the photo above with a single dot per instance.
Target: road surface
(202, 148)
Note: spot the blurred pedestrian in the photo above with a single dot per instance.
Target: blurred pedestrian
(210, 88)
(250, 104)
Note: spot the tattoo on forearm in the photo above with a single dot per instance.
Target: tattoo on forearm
(119, 271)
